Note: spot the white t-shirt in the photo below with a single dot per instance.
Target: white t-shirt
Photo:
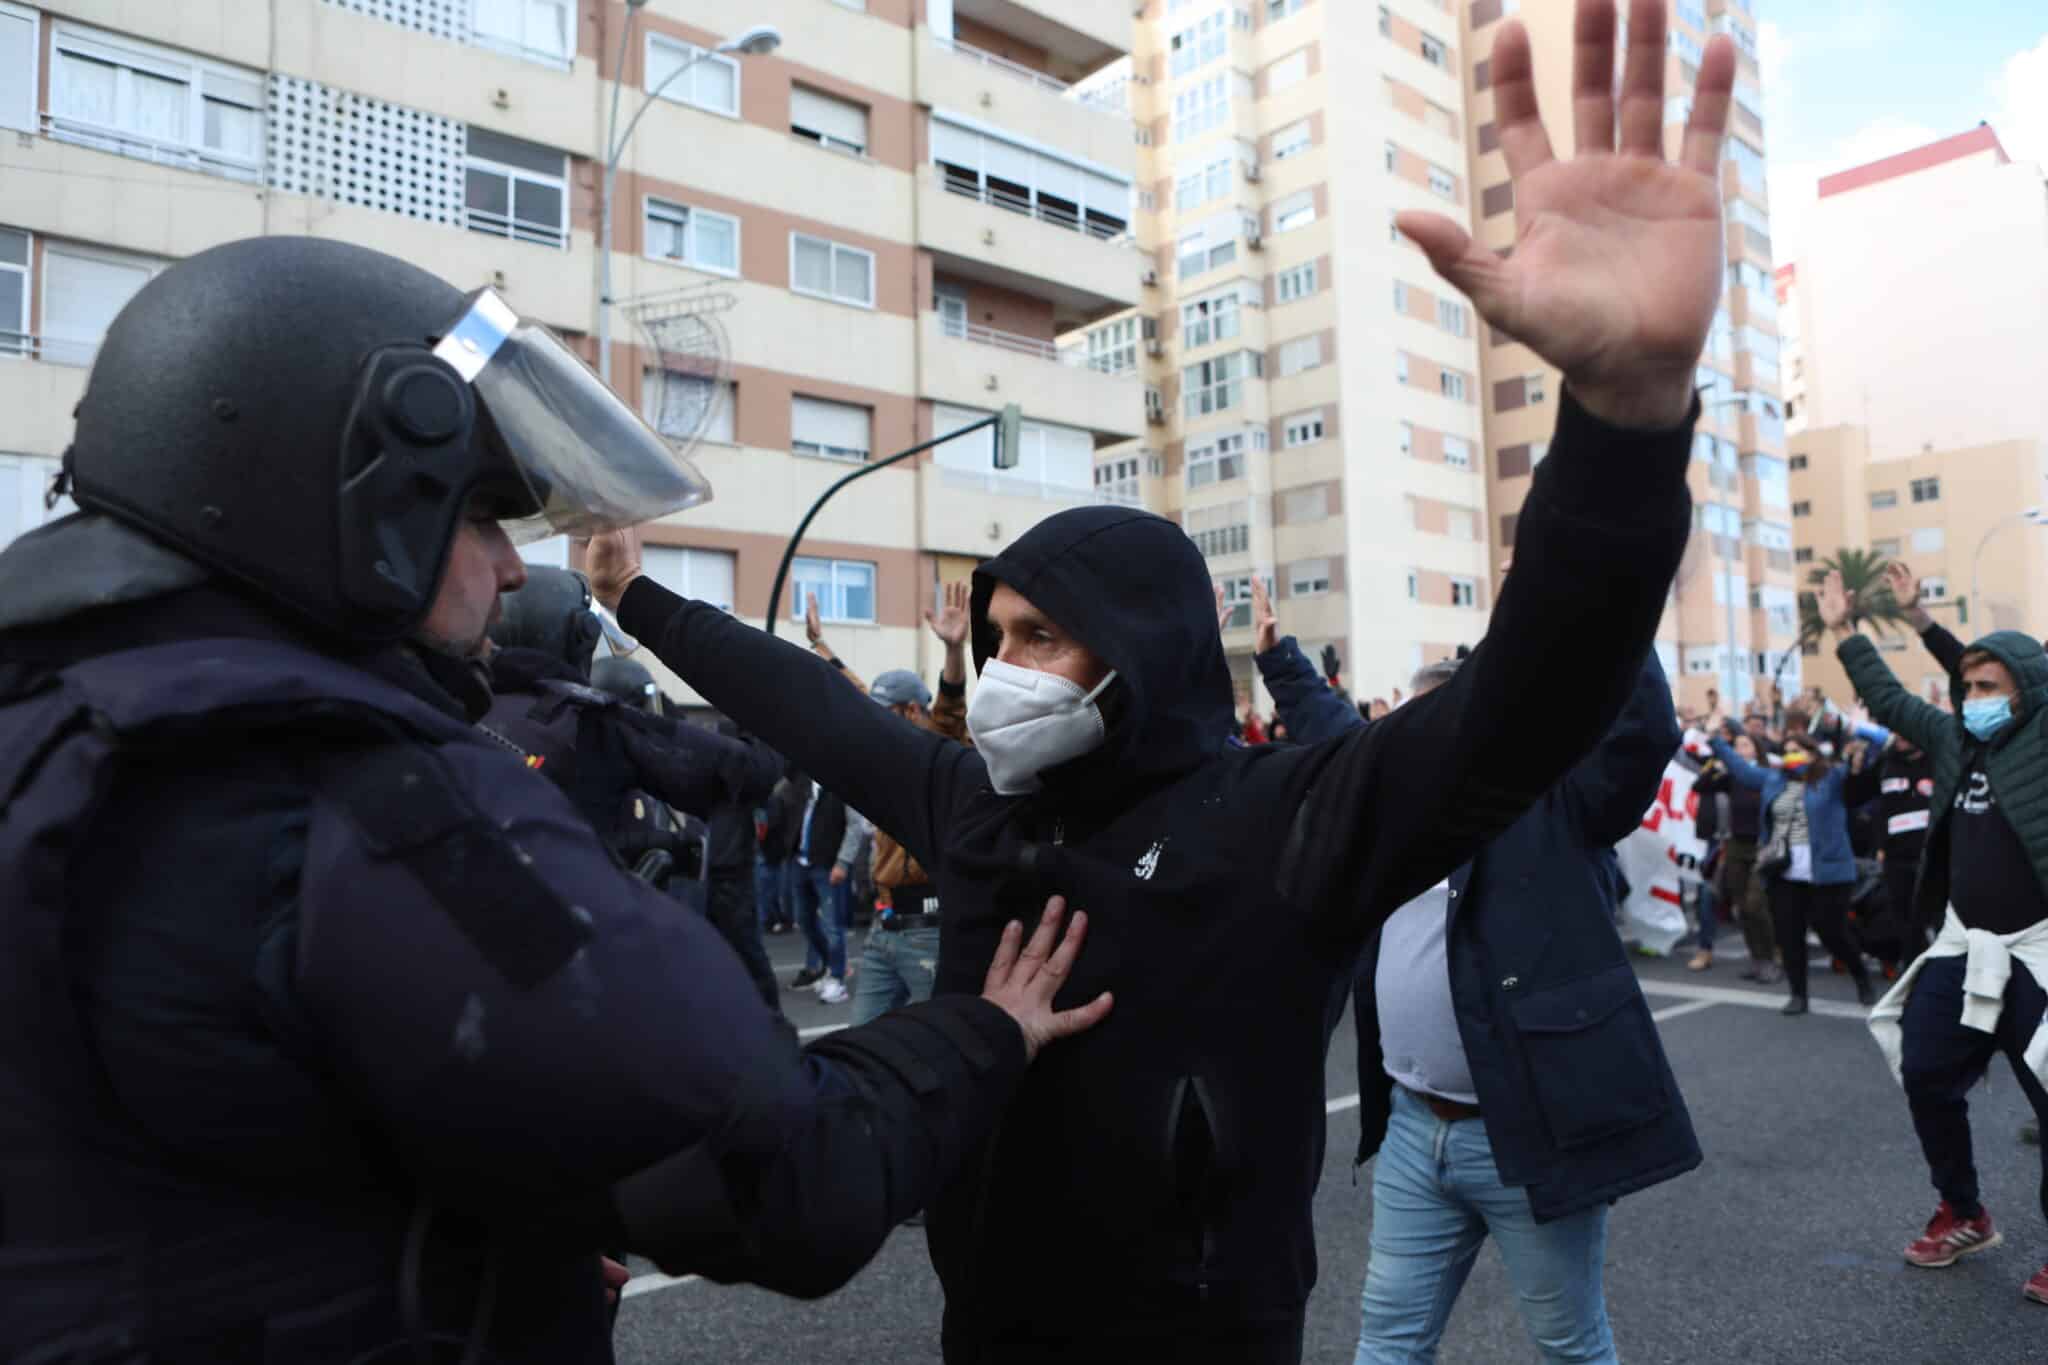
(1419, 1042)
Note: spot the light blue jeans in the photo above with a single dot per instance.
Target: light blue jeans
(897, 968)
(1436, 1194)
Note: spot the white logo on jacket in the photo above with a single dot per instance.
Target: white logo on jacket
(1149, 864)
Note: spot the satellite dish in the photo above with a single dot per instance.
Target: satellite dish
(692, 360)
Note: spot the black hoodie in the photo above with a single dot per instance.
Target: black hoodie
(1157, 1173)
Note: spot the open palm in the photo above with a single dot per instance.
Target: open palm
(1618, 257)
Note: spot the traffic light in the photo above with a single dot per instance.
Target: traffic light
(1009, 436)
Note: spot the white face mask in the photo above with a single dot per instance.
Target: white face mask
(1024, 722)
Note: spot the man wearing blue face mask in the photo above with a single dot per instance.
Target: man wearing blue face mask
(1978, 990)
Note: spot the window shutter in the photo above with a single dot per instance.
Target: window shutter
(836, 118)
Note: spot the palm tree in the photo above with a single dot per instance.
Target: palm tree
(1870, 596)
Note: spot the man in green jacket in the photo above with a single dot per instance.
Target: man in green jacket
(1978, 990)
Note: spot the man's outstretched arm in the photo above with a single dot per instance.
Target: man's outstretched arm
(1614, 279)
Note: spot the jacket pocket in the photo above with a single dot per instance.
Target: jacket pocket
(1594, 1063)
(1197, 1159)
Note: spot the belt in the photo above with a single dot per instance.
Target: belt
(1450, 1111)
(895, 922)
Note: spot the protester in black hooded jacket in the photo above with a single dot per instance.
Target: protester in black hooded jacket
(1149, 1196)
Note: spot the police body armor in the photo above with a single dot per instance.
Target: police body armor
(114, 1247)
(567, 732)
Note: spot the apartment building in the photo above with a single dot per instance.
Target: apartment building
(883, 226)
(1313, 394)
(1969, 522)
(1733, 612)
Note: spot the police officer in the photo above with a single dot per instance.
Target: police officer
(328, 1030)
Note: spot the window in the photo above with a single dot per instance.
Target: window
(1400, 296)
(1464, 592)
(1198, 254)
(1308, 578)
(1112, 347)
(1457, 452)
(1532, 387)
(1749, 163)
(1797, 462)
(845, 589)
(1433, 51)
(1407, 438)
(1289, 70)
(828, 121)
(829, 270)
(1295, 283)
(1933, 589)
(833, 431)
(1495, 200)
(1401, 367)
(1117, 482)
(1926, 490)
(1802, 509)
(1237, 596)
(681, 406)
(1453, 385)
(1200, 44)
(127, 97)
(14, 257)
(516, 189)
(1218, 385)
(709, 80)
(1414, 586)
(1297, 210)
(1292, 140)
(694, 237)
(1884, 497)
(1305, 504)
(1302, 429)
(82, 291)
(1453, 317)
(1224, 530)
(706, 575)
(18, 48)
(1888, 547)
(1393, 156)
(1052, 461)
(1202, 106)
(1803, 555)
(1302, 353)
(525, 28)
(1280, 9)
(1443, 182)
(1217, 461)
(1210, 319)
(1928, 539)
(1207, 182)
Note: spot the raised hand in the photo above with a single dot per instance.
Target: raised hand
(814, 625)
(1024, 983)
(1265, 625)
(1619, 254)
(611, 561)
(1833, 601)
(1223, 610)
(950, 624)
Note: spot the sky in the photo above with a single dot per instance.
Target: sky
(1851, 81)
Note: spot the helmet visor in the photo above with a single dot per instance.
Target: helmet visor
(590, 462)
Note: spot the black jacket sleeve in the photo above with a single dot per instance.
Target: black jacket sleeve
(1609, 791)
(902, 778)
(1311, 709)
(1394, 808)
(1946, 648)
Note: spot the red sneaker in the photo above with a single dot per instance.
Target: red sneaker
(1948, 1239)
(2037, 1288)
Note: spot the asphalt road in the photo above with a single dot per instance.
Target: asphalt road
(1783, 1247)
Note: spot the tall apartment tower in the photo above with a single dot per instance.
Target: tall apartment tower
(1734, 612)
(907, 205)
(1313, 392)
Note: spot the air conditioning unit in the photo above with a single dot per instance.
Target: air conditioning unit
(1254, 240)
(1252, 173)
(1155, 347)
(1150, 279)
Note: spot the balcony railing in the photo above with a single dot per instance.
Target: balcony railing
(1010, 486)
(24, 345)
(183, 155)
(1036, 347)
(1030, 208)
(1108, 100)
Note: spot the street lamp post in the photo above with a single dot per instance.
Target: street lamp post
(756, 40)
(2032, 516)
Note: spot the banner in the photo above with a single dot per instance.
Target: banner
(1659, 860)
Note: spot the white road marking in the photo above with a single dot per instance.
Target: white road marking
(1680, 1011)
(819, 1032)
(1756, 1000)
(647, 1284)
(1339, 1106)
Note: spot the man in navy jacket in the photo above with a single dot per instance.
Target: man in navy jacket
(1510, 1078)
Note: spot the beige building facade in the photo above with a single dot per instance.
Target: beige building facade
(892, 218)
(1966, 521)
(1733, 614)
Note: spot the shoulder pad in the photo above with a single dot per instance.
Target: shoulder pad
(411, 809)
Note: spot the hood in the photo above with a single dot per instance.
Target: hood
(2022, 654)
(83, 562)
(1134, 589)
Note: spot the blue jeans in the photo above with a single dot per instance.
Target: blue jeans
(897, 968)
(821, 914)
(771, 891)
(1436, 1194)
(1704, 906)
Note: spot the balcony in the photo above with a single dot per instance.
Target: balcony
(977, 512)
(1031, 104)
(1750, 307)
(1078, 37)
(1746, 243)
(110, 199)
(982, 367)
(1087, 272)
(38, 400)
